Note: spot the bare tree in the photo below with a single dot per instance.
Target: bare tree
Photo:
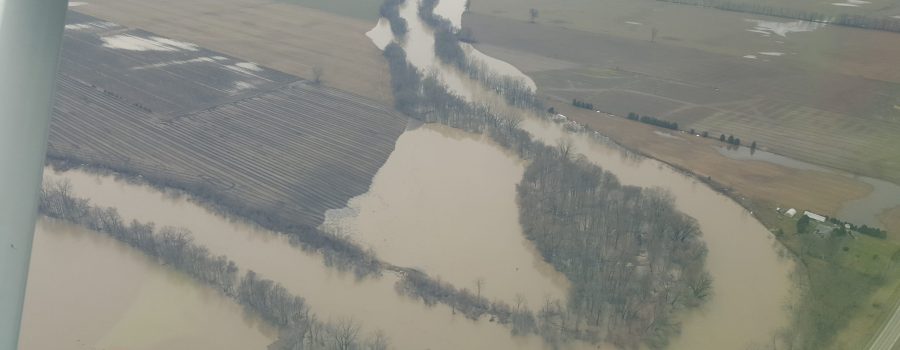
(653, 32)
(534, 14)
(344, 334)
(566, 148)
(317, 73)
(468, 4)
(379, 341)
(479, 283)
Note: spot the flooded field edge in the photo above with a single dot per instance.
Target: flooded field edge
(373, 302)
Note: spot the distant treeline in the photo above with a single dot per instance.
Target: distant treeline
(843, 226)
(625, 295)
(646, 119)
(300, 329)
(731, 140)
(582, 104)
(857, 21)
(390, 9)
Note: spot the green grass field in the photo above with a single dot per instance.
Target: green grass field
(852, 284)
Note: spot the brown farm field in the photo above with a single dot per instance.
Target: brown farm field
(279, 35)
(837, 120)
(873, 8)
(759, 181)
(252, 140)
(854, 52)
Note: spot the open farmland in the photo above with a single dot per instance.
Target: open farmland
(289, 38)
(837, 120)
(362, 9)
(277, 150)
(817, 191)
(835, 49)
(155, 72)
(872, 8)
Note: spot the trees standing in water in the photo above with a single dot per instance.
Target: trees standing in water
(300, 329)
(631, 257)
(390, 9)
(448, 48)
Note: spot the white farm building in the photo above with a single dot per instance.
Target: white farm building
(814, 216)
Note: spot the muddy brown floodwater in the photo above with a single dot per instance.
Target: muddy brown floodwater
(331, 295)
(89, 291)
(752, 279)
(445, 202)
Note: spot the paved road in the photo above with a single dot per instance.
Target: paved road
(889, 334)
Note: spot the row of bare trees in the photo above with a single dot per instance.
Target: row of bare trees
(300, 329)
(473, 305)
(633, 260)
(339, 252)
(448, 48)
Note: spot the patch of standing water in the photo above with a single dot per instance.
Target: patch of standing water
(137, 43)
(332, 295)
(381, 34)
(451, 10)
(666, 135)
(102, 25)
(851, 3)
(445, 202)
(864, 211)
(782, 29)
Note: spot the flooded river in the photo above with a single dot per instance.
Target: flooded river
(89, 291)
(445, 202)
(751, 278)
(331, 295)
(752, 281)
